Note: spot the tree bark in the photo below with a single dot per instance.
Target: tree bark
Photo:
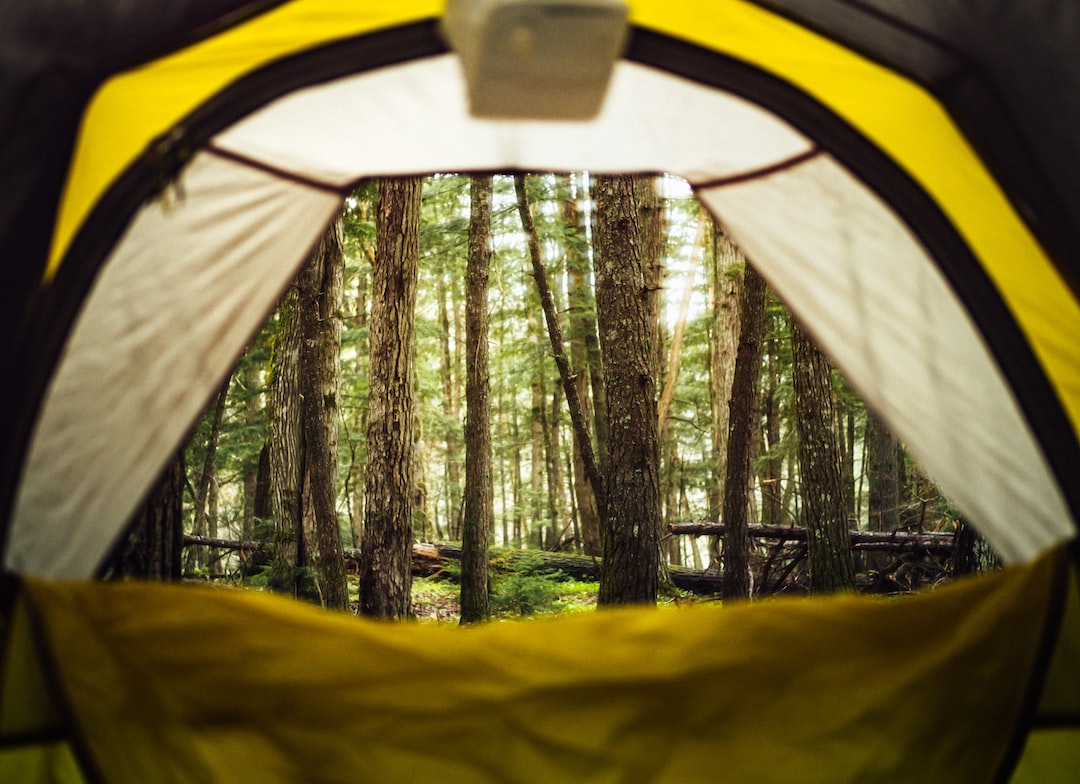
(742, 411)
(832, 567)
(771, 493)
(479, 491)
(283, 446)
(582, 329)
(153, 548)
(573, 403)
(451, 418)
(630, 571)
(319, 292)
(207, 478)
(971, 554)
(390, 483)
(726, 293)
(883, 475)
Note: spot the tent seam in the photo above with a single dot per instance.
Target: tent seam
(762, 172)
(275, 171)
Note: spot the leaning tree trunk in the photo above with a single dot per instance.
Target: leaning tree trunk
(479, 491)
(581, 327)
(319, 289)
(630, 569)
(385, 583)
(832, 564)
(742, 410)
(562, 362)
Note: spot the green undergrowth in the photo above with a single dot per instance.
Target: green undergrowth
(520, 587)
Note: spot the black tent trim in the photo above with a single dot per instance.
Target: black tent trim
(55, 307)
(1053, 621)
(1036, 397)
(69, 730)
(960, 85)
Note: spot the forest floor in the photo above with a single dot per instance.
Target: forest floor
(436, 599)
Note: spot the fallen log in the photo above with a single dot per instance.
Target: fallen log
(430, 557)
(862, 541)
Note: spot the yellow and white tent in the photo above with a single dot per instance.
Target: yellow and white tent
(903, 173)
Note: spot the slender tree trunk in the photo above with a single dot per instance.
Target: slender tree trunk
(518, 520)
(582, 324)
(742, 411)
(832, 565)
(284, 447)
(726, 293)
(552, 450)
(883, 475)
(772, 500)
(207, 479)
(359, 422)
(595, 364)
(450, 415)
(630, 570)
(674, 355)
(537, 507)
(254, 415)
(551, 316)
(385, 580)
(320, 294)
(479, 492)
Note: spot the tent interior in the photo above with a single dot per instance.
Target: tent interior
(197, 177)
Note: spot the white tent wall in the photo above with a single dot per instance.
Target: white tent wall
(186, 287)
(843, 262)
(149, 350)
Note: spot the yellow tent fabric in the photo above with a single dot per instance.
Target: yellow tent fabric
(165, 683)
(136, 108)
(994, 413)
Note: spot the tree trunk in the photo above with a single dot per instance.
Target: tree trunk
(581, 326)
(479, 492)
(883, 475)
(153, 547)
(630, 571)
(742, 411)
(450, 415)
(551, 317)
(726, 293)
(971, 554)
(254, 416)
(207, 478)
(320, 292)
(283, 446)
(354, 482)
(537, 507)
(832, 566)
(390, 483)
(771, 494)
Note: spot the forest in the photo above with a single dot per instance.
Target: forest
(519, 386)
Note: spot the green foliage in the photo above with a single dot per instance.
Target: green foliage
(519, 351)
(523, 585)
(526, 594)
